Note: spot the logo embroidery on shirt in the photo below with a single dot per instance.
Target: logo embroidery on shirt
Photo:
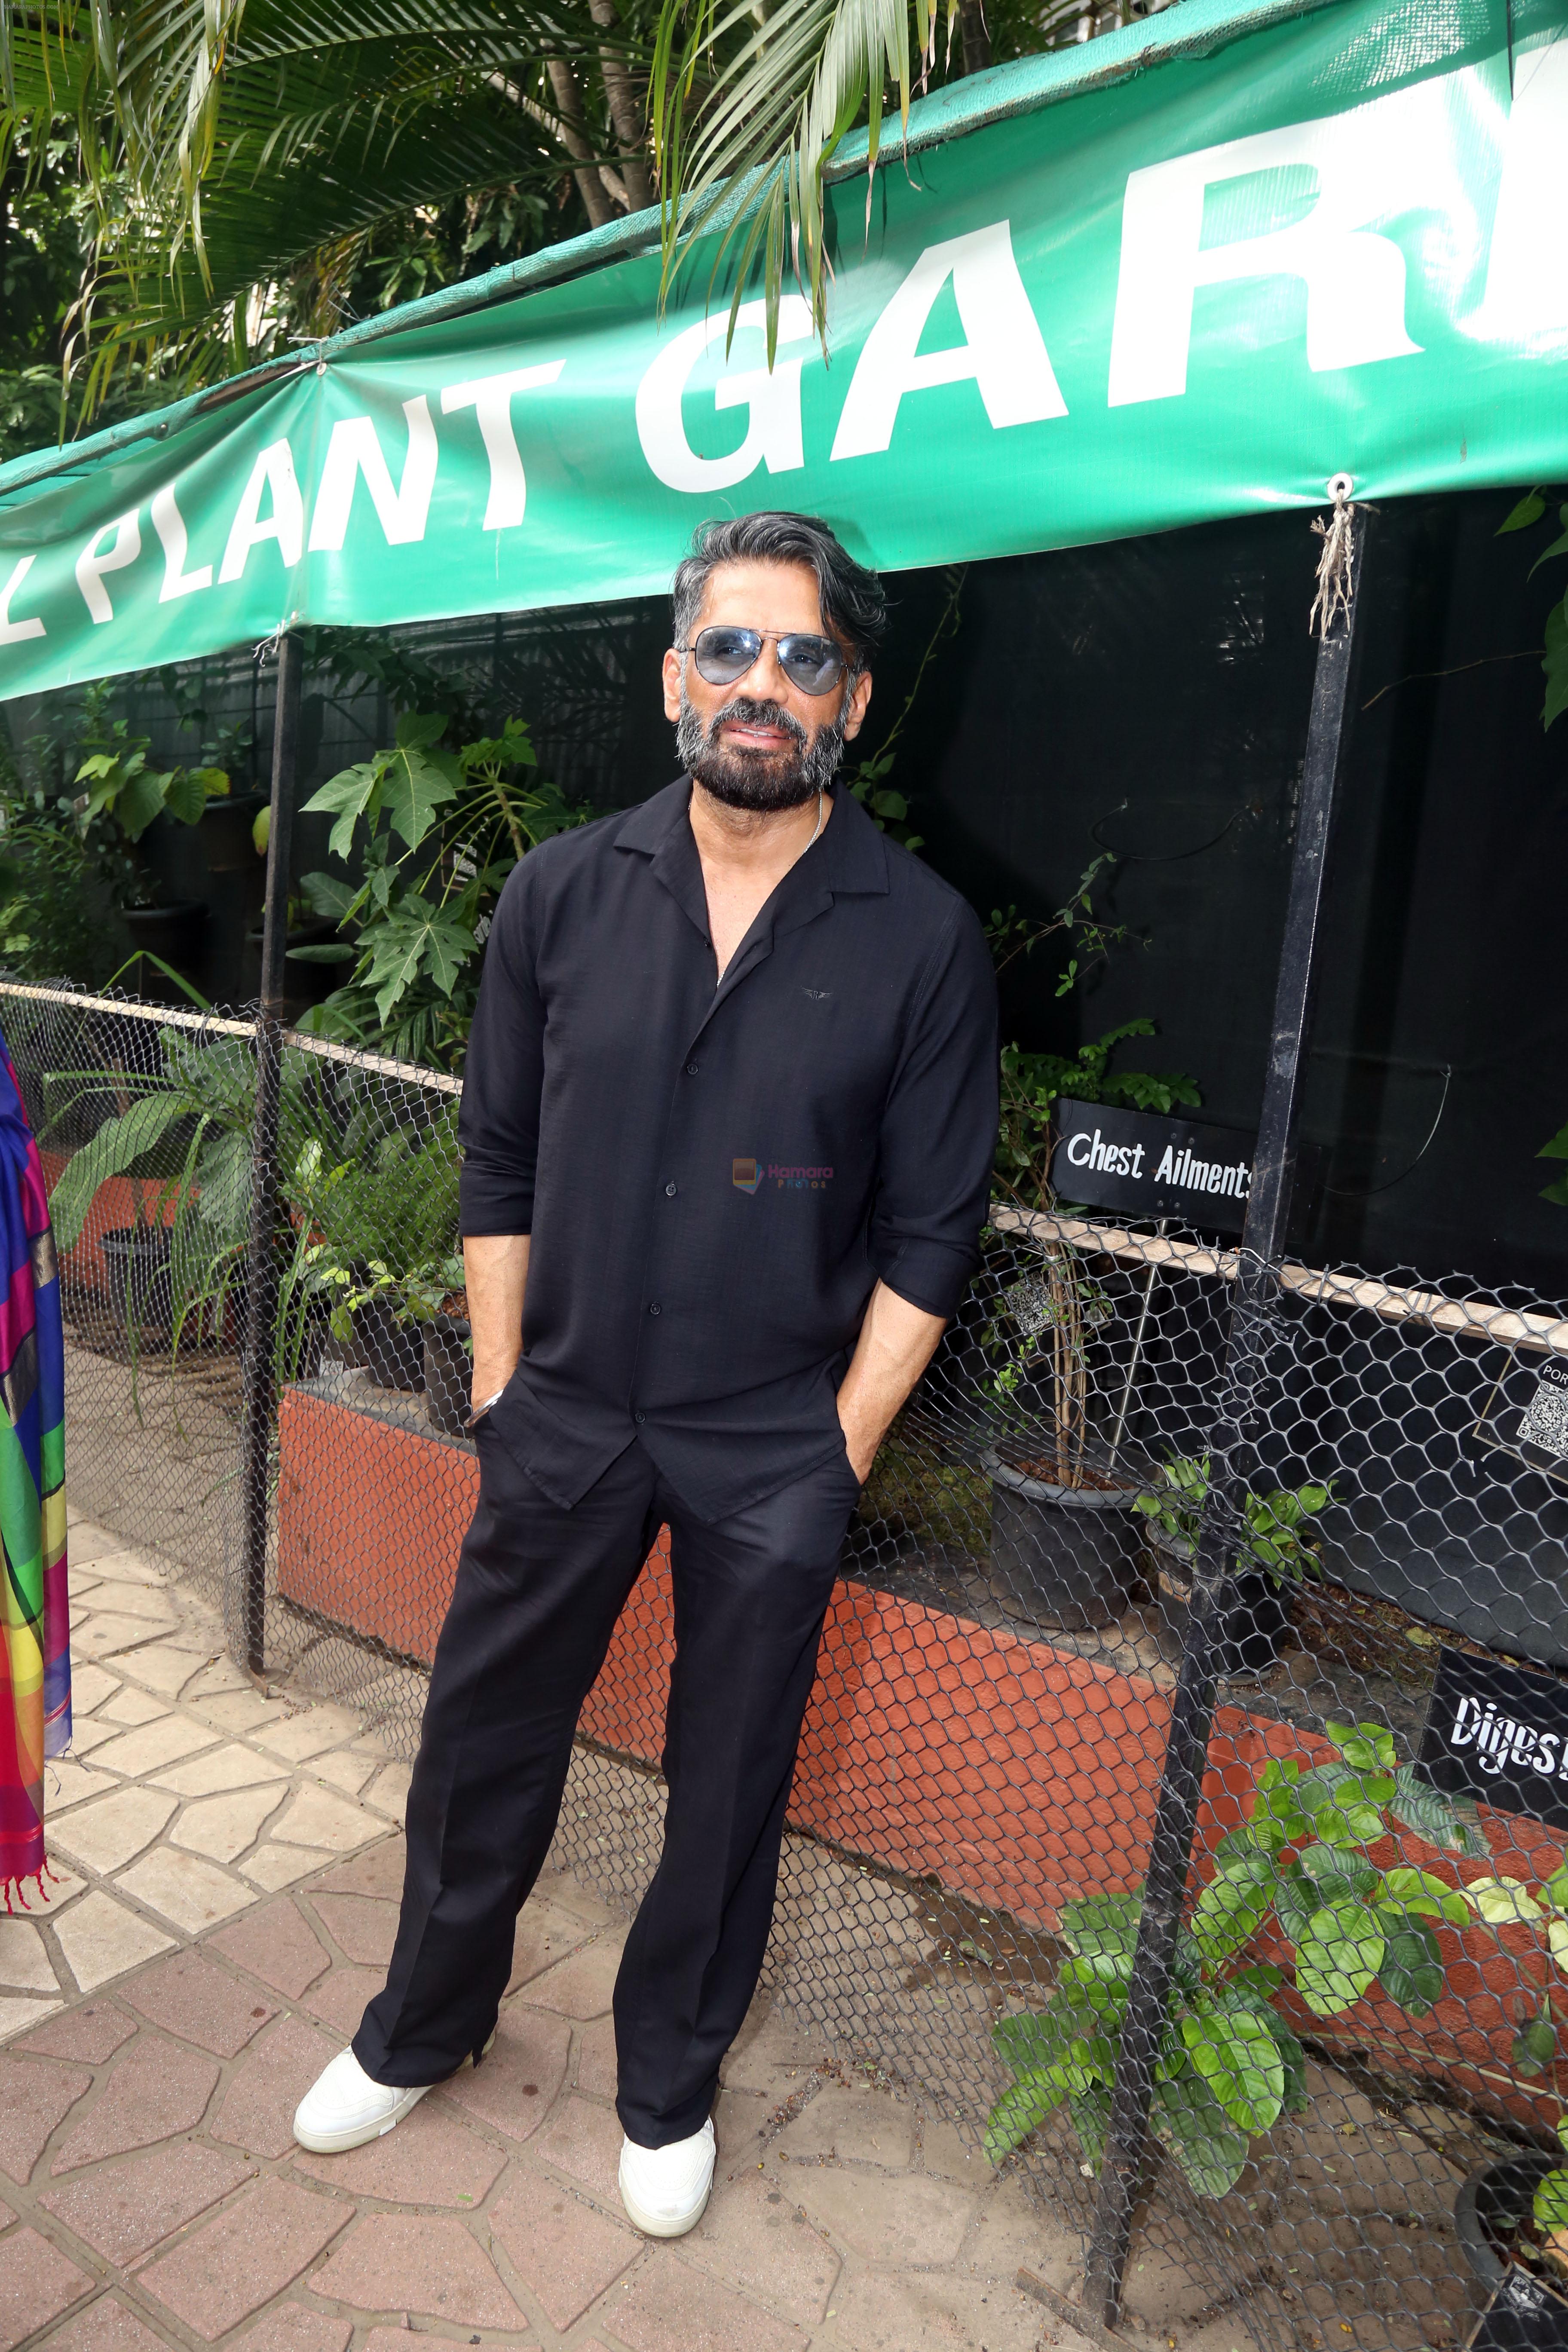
(818, 996)
(745, 1175)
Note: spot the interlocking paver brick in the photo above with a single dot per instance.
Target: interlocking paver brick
(316, 1817)
(71, 1782)
(187, 1995)
(881, 2314)
(361, 1929)
(545, 1934)
(582, 1986)
(256, 2112)
(565, 2253)
(245, 1712)
(430, 2159)
(35, 2097)
(298, 1736)
(752, 2237)
(222, 1769)
(129, 1706)
(102, 1938)
(585, 2141)
(25, 1965)
(276, 1945)
(157, 2088)
(388, 1792)
(909, 2219)
(339, 2001)
(378, 1873)
(292, 2328)
(596, 2073)
(857, 2126)
(89, 2033)
(344, 1770)
(226, 1826)
(274, 1866)
(945, 2152)
(512, 2090)
(260, 2245)
(107, 1833)
(148, 1749)
(107, 2326)
(395, 2339)
(668, 2307)
(37, 2283)
(90, 1685)
(193, 1894)
(123, 2209)
(19, 2011)
(7, 2214)
(108, 1636)
(417, 2261)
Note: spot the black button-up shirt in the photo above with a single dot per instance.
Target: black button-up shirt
(715, 1175)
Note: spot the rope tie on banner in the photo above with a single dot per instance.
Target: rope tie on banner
(1336, 565)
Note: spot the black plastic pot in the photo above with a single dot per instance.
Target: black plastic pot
(305, 984)
(448, 1374)
(1526, 2314)
(1064, 1556)
(175, 933)
(140, 1280)
(1260, 1616)
(393, 1354)
(227, 825)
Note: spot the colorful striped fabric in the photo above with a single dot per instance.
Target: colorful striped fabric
(35, 1657)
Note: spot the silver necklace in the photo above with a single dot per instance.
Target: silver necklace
(821, 819)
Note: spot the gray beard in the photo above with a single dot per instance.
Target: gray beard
(750, 779)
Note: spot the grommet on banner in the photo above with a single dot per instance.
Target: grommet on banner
(1336, 565)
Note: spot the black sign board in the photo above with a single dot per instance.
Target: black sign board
(1145, 1166)
(1523, 2316)
(1499, 1733)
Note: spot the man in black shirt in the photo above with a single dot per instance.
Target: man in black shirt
(728, 1123)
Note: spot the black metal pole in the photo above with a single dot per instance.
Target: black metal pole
(1261, 1252)
(261, 1286)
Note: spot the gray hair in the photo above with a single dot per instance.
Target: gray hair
(853, 604)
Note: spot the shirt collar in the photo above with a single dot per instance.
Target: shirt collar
(851, 858)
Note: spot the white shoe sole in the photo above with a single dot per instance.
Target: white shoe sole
(661, 2225)
(338, 2143)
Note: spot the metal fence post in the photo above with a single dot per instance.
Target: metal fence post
(259, 1403)
(1261, 1256)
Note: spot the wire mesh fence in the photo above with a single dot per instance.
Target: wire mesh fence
(1352, 2075)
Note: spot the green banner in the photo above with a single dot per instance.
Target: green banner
(1336, 245)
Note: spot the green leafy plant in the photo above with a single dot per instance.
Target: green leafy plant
(1230, 2062)
(1274, 1541)
(1550, 2209)
(437, 831)
(120, 783)
(1525, 516)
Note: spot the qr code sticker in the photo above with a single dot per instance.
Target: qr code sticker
(1545, 1422)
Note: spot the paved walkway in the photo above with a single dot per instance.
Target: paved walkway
(229, 1865)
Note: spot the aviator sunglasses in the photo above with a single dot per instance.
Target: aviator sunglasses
(723, 654)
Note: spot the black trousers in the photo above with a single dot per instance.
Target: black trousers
(539, 1590)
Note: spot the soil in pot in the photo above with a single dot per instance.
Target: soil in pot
(1065, 1557)
(141, 1283)
(1259, 1621)
(448, 1374)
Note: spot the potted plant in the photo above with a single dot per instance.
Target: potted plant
(435, 1298)
(383, 1239)
(119, 785)
(1279, 1551)
(1512, 2222)
(1297, 1872)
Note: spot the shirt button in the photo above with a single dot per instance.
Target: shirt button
(640, 1418)
(655, 1308)
(670, 1191)
(691, 1069)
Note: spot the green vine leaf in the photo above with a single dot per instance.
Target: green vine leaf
(1530, 510)
(1338, 1958)
(1207, 2146)
(1233, 1906)
(1239, 2060)
(1411, 1970)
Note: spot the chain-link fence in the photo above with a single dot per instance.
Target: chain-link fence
(1350, 2069)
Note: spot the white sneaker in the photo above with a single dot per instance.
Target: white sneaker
(665, 2190)
(343, 2108)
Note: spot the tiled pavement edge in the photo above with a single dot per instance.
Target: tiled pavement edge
(229, 1865)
